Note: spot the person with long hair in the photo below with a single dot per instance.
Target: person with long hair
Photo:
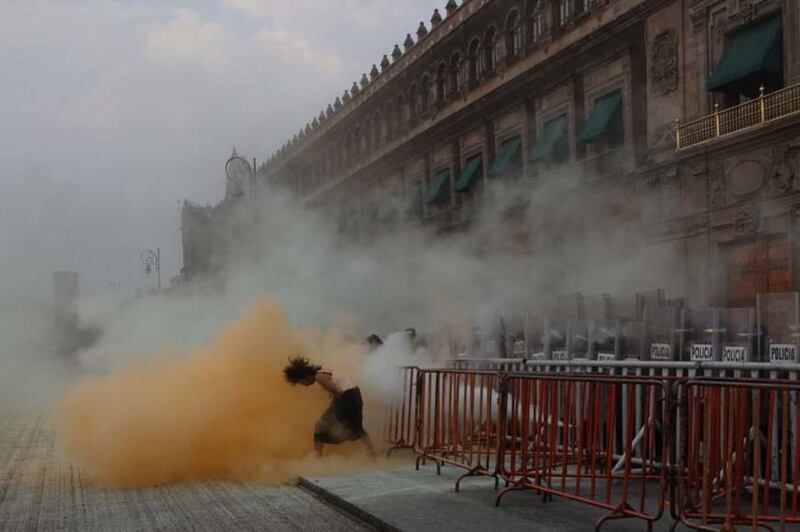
(343, 420)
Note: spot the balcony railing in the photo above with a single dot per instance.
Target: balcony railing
(764, 109)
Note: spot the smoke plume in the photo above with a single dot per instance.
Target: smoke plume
(178, 403)
(223, 411)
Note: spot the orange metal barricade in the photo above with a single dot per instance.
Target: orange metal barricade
(739, 459)
(727, 457)
(401, 421)
(458, 420)
(593, 439)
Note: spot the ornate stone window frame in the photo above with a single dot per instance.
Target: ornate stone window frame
(546, 115)
(620, 82)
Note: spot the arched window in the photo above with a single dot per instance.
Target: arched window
(441, 83)
(377, 138)
(311, 178)
(513, 34)
(368, 136)
(388, 127)
(348, 150)
(400, 110)
(535, 18)
(489, 50)
(319, 173)
(413, 102)
(475, 61)
(425, 94)
(455, 74)
(564, 12)
(358, 142)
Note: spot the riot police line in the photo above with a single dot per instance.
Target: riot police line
(644, 327)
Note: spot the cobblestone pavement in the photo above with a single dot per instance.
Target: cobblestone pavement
(42, 490)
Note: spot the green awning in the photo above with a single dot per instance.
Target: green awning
(504, 161)
(438, 187)
(552, 133)
(468, 173)
(752, 56)
(602, 117)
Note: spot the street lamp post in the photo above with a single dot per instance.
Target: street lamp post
(152, 261)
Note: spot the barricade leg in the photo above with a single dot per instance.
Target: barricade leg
(593, 439)
(738, 464)
(401, 425)
(458, 421)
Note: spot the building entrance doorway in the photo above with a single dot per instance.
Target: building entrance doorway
(758, 265)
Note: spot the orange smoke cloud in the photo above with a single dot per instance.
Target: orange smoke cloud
(222, 412)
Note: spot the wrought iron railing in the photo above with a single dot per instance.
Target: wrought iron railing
(761, 110)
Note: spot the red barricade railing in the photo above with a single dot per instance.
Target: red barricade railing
(401, 422)
(458, 420)
(727, 457)
(597, 440)
(739, 459)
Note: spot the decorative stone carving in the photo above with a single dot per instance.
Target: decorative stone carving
(716, 36)
(698, 168)
(698, 15)
(670, 172)
(784, 166)
(716, 188)
(748, 220)
(746, 11)
(746, 177)
(720, 27)
(664, 135)
(664, 70)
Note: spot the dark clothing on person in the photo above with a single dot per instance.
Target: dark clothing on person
(343, 420)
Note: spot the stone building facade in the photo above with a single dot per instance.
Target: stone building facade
(687, 108)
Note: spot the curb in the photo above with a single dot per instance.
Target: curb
(348, 507)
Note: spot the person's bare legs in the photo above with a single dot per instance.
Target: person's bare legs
(318, 448)
(368, 444)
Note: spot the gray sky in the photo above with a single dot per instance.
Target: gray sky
(112, 112)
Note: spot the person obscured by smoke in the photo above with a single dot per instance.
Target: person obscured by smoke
(374, 342)
(413, 340)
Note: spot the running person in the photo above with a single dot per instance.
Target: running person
(343, 420)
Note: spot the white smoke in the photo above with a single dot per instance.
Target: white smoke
(409, 277)
(382, 373)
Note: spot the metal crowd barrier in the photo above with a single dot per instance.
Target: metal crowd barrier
(719, 441)
(739, 461)
(401, 420)
(597, 440)
(458, 420)
(489, 364)
(635, 367)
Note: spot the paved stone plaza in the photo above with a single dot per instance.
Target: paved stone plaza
(42, 490)
(405, 499)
